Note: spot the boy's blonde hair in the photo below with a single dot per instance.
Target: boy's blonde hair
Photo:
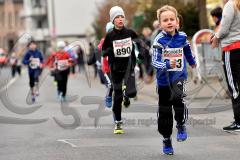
(166, 8)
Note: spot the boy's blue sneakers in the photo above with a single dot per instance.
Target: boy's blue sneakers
(181, 133)
(108, 101)
(167, 146)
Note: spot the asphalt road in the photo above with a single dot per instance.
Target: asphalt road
(82, 129)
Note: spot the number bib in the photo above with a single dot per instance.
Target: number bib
(62, 64)
(35, 63)
(123, 47)
(174, 54)
(13, 61)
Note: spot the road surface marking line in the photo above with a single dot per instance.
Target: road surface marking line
(65, 141)
(11, 82)
(8, 84)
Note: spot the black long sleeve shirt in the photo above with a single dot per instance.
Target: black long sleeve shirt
(118, 46)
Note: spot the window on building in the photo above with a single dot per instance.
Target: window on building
(21, 23)
(3, 19)
(39, 24)
(16, 19)
(17, 1)
(10, 20)
(10, 44)
(37, 4)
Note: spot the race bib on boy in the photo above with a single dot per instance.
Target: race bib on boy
(62, 65)
(175, 54)
(13, 61)
(35, 63)
(122, 48)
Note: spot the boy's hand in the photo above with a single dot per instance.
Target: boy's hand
(194, 66)
(172, 63)
(41, 66)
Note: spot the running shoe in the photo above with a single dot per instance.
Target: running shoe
(232, 127)
(108, 101)
(118, 128)
(167, 146)
(181, 133)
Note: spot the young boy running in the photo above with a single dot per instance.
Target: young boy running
(34, 59)
(118, 46)
(171, 50)
(61, 62)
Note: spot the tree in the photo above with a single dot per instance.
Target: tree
(188, 11)
(193, 13)
(202, 13)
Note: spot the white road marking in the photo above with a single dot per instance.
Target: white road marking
(65, 141)
(11, 82)
(8, 84)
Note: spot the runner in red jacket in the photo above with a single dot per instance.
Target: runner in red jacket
(60, 62)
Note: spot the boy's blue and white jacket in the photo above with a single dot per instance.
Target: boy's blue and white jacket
(34, 54)
(165, 41)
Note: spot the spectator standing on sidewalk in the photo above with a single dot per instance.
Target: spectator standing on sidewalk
(229, 38)
(216, 14)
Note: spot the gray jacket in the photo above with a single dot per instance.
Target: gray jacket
(230, 25)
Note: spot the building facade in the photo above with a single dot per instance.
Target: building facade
(35, 15)
(50, 20)
(10, 23)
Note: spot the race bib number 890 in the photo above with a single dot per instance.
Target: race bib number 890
(175, 54)
(123, 47)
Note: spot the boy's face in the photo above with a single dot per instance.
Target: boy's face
(33, 46)
(168, 22)
(119, 21)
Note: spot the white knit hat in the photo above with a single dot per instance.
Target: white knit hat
(61, 44)
(115, 11)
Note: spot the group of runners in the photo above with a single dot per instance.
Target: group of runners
(171, 52)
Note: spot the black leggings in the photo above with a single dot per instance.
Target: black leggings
(117, 79)
(34, 78)
(171, 96)
(231, 60)
(62, 78)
